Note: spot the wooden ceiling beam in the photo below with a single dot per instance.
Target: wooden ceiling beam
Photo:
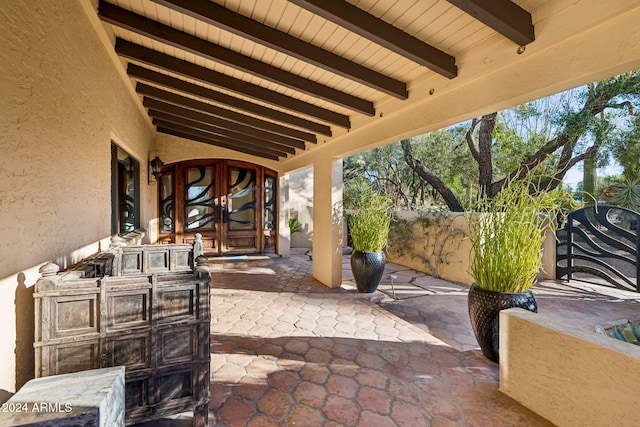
(193, 104)
(150, 76)
(181, 40)
(230, 137)
(195, 116)
(187, 69)
(366, 25)
(187, 133)
(219, 16)
(503, 16)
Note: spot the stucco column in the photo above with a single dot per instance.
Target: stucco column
(327, 222)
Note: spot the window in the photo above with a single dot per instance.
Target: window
(125, 191)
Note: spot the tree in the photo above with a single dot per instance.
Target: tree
(385, 169)
(567, 138)
(626, 150)
(624, 190)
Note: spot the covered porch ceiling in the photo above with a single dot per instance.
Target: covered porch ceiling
(280, 79)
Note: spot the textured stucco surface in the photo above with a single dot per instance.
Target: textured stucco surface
(441, 249)
(172, 149)
(570, 376)
(61, 105)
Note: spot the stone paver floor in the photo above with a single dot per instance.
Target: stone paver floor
(288, 351)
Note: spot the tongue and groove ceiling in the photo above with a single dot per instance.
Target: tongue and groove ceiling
(273, 78)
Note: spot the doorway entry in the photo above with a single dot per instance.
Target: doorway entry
(230, 203)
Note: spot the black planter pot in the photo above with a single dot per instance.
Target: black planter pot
(484, 312)
(367, 268)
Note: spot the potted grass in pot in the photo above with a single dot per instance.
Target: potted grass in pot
(369, 229)
(506, 232)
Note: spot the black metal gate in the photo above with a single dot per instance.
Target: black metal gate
(600, 241)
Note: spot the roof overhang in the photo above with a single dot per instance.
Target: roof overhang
(293, 80)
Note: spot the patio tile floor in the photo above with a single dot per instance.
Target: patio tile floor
(288, 351)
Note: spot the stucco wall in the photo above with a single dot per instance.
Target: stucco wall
(172, 149)
(432, 243)
(436, 244)
(571, 377)
(62, 102)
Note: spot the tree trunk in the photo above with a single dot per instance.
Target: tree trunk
(485, 161)
(589, 180)
(447, 195)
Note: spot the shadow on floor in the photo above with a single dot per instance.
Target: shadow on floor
(310, 380)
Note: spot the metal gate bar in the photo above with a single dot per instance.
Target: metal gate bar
(593, 243)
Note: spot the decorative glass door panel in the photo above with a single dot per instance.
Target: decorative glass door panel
(240, 210)
(199, 204)
(223, 200)
(200, 207)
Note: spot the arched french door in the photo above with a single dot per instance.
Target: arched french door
(230, 203)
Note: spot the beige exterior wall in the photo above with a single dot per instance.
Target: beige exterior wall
(61, 104)
(571, 377)
(172, 149)
(436, 244)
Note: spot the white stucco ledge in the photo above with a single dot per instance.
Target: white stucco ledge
(88, 398)
(571, 377)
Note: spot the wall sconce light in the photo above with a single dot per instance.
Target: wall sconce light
(155, 169)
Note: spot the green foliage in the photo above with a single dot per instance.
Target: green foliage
(523, 130)
(445, 153)
(625, 193)
(566, 202)
(294, 225)
(385, 169)
(628, 332)
(507, 233)
(354, 190)
(382, 169)
(626, 150)
(549, 135)
(369, 223)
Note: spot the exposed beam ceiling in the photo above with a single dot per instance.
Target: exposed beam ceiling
(360, 22)
(504, 16)
(229, 137)
(273, 79)
(181, 40)
(217, 15)
(190, 103)
(194, 117)
(150, 76)
(187, 133)
(189, 70)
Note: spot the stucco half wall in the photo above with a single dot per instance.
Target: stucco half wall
(571, 377)
(438, 244)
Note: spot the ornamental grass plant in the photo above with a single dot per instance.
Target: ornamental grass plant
(369, 223)
(507, 232)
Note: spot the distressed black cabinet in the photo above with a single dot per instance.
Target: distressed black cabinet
(148, 312)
